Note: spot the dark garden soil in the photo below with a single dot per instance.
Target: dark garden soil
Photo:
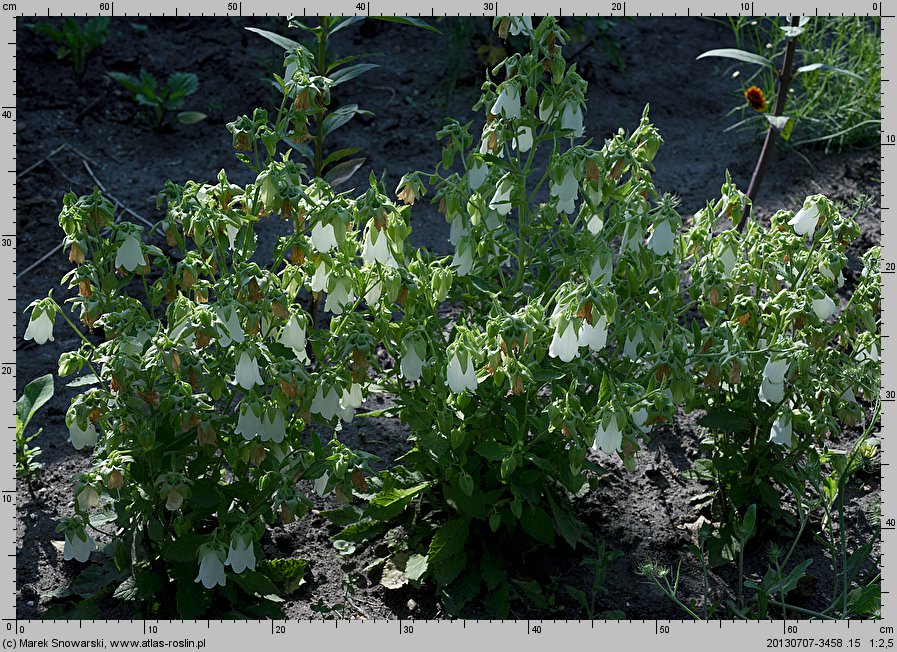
(643, 515)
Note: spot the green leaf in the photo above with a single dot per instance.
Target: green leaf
(445, 549)
(738, 55)
(344, 21)
(191, 117)
(493, 451)
(94, 579)
(390, 504)
(131, 84)
(255, 583)
(343, 516)
(142, 585)
(37, 392)
(192, 599)
(341, 116)
(360, 532)
(822, 66)
(284, 42)
(287, 574)
(566, 524)
(82, 381)
(748, 524)
(180, 85)
(392, 576)
(342, 172)
(415, 567)
(723, 420)
(351, 72)
(408, 20)
(333, 157)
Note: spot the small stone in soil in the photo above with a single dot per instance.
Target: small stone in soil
(412, 605)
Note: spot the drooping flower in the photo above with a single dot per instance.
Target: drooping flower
(411, 365)
(639, 417)
(565, 343)
(459, 379)
(476, 174)
(632, 237)
(630, 346)
(595, 223)
(608, 437)
(81, 438)
(571, 118)
(462, 262)
(521, 25)
(76, 547)
(247, 375)
(211, 568)
(601, 272)
(340, 295)
(248, 423)
(240, 554)
(594, 335)
(88, 498)
(350, 401)
(460, 228)
(755, 99)
(173, 500)
(508, 102)
(230, 330)
(661, 239)
(372, 295)
(326, 404)
(501, 200)
(566, 191)
(772, 389)
(274, 427)
(40, 328)
(806, 220)
(293, 337)
(780, 433)
(320, 278)
(824, 307)
(523, 141)
(323, 237)
(375, 248)
(130, 255)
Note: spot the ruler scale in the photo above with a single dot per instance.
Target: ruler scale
(439, 635)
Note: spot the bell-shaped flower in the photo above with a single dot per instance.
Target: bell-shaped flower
(632, 237)
(639, 417)
(780, 433)
(661, 239)
(460, 378)
(411, 364)
(462, 262)
(274, 427)
(594, 335)
(340, 295)
(376, 248)
(350, 401)
(173, 500)
(501, 200)
(76, 547)
(523, 141)
(507, 104)
(630, 346)
(521, 25)
(40, 328)
(326, 403)
(601, 272)
(81, 438)
(130, 255)
(459, 229)
(211, 568)
(608, 437)
(595, 224)
(566, 191)
(806, 219)
(247, 375)
(241, 553)
(772, 388)
(571, 118)
(323, 237)
(320, 278)
(824, 307)
(293, 337)
(230, 330)
(476, 174)
(565, 343)
(88, 498)
(248, 423)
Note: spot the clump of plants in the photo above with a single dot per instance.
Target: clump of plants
(555, 337)
(160, 103)
(76, 41)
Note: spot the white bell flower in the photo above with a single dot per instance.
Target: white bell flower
(231, 331)
(76, 547)
(571, 118)
(508, 103)
(293, 337)
(595, 335)
(326, 404)
(564, 344)
(247, 374)
(411, 364)
(372, 296)
(240, 554)
(40, 328)
(81, 438)
(501, 200)
(350, 401)
(595, 224)
(462, 262)
(566, 191)
(339, 296)
(320, 278)
(824, 307)
(323, 237)
(639, 417)
(130, 255)
(661, 239)
(601, 273)
(375, 248)
(211, 570)
(772, 389)
(459, 379)
(632, 237)
(88, 498)
(459, 229)
(274, 428)
(630, 346)
(780, 433)
(476, 175)
(806, 220)
(546, 109)
(523, 141)
(249, 424)
(608, 437)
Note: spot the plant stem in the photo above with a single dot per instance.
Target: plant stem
(321, 61)
(772, 133)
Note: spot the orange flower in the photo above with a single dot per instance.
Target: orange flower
(755, 99)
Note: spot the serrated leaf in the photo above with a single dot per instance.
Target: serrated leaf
(415, 567)
(389, 504)
(738, 55)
